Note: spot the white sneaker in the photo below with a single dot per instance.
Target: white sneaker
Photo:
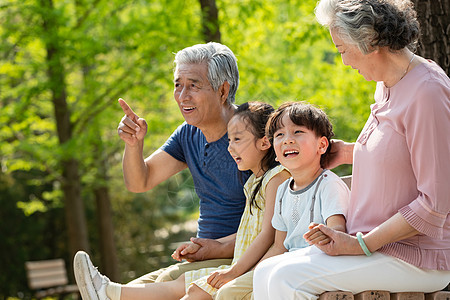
(91, 283)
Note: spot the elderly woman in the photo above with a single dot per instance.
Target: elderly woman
(398, 221)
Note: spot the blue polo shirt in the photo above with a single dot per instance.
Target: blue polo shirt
(216, 179)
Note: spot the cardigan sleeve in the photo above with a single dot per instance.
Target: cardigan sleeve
(427, 130)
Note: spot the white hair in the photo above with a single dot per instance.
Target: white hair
(221, 62)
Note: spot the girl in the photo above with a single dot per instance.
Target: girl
(252, 151)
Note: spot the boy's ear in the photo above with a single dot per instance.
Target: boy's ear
(323, 145)
(264, 143)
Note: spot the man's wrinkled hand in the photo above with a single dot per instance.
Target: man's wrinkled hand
(207, 248)
(131, 129)
(185, 249)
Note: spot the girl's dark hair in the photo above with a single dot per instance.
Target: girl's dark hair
(302, 114)
(255, 114)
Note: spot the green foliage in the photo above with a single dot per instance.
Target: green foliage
(25, 237)
(285, 55)
(113, 49)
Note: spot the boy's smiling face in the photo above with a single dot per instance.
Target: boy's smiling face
(297, 147)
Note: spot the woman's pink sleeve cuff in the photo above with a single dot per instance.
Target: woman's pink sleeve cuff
(420, 224)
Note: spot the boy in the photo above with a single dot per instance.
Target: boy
(300, 134)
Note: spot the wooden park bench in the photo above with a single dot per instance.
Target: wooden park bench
(383, 295)
(49, 278)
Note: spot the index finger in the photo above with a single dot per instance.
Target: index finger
(127, 109)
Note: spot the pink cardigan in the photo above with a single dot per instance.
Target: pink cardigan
(401, 163)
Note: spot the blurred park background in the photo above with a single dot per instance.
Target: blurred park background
(64, 64)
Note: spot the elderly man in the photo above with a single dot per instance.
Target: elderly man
(206, 79)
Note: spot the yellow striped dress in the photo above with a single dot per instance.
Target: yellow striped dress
(249, 228)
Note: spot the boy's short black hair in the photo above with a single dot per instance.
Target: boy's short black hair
(302, 114)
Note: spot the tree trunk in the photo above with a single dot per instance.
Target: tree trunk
(71, 185)
(108, 251)
(106, 230)
(74, 208)
(434, 43)
(210, 21)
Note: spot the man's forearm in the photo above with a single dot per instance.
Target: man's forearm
(226, 250)
(212, 249)
(222, 249)
(228, 238)
(134, 169)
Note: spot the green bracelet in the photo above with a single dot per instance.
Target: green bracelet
(359, 236)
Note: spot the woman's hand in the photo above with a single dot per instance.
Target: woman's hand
(340, 153)
(339, 243)
(394, 229)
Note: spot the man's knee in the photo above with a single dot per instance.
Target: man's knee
(162, 275)
(147, 278)
(170, 273)
(233, 293)
(176, 270)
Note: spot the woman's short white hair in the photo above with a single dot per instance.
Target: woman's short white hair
(371, 24)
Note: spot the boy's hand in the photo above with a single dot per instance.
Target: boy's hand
(340, 244)
(315, 236)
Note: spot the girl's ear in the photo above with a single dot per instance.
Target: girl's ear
(264, 143)
(323, 145)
